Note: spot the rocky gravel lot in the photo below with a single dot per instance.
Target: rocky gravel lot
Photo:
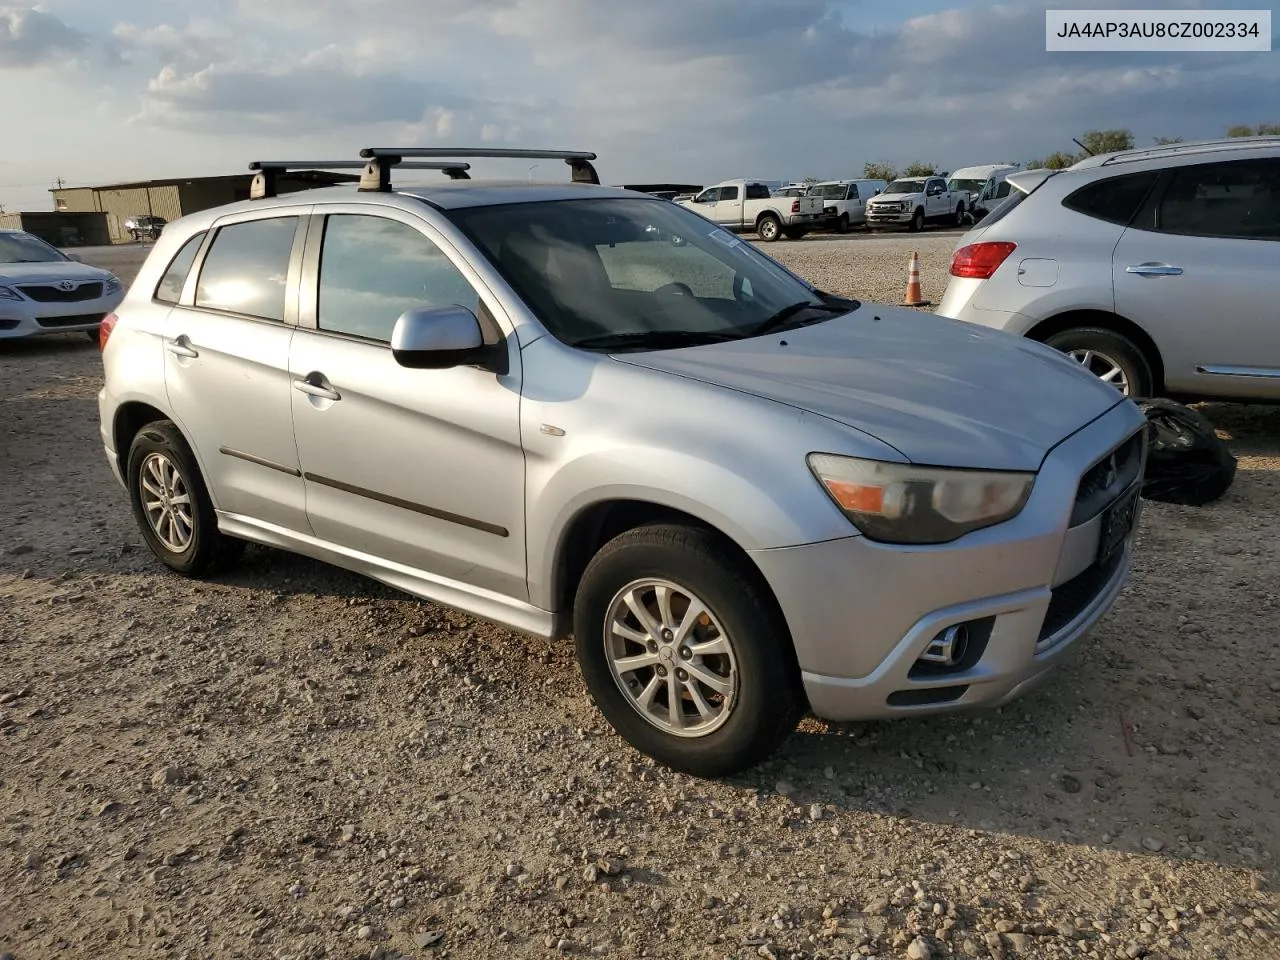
(295, 762)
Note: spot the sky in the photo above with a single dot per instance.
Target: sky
(690, 91)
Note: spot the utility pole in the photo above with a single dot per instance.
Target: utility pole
(59, 181)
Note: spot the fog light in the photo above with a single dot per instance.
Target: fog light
(949, 647)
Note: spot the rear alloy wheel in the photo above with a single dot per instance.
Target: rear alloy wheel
(917, 221)
(171, 505)
(683, 653)
(769, 228)
(1110, 356)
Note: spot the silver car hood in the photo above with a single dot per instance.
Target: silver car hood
(43, 272)
(940, 391)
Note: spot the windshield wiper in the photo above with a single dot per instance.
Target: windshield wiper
(657, 339)
(783, 319)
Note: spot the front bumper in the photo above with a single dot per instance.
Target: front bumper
(861, 613)
(890, 216)
(29, 318)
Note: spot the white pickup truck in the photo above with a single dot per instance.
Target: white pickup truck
(915, 201)
(745, 205)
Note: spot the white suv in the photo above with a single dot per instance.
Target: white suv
(1154, 268)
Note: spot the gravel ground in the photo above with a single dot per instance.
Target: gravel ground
(292, 761)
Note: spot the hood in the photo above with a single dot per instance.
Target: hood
(940, 391)
(11, 273)
(893, 196)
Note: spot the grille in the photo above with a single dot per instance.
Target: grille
(50, 294)
(76, 320)
(1100, 485)
(1071, 598)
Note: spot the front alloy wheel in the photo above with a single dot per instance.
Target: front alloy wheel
(671, 658)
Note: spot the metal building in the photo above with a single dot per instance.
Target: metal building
(171, 199)
(60, 229)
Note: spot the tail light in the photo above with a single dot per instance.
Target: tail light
(980, 260)
(795, 206)
(104, 329)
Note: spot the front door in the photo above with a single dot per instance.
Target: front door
(729, 207)
(226, 361)
(423, 468)
(1197, 275)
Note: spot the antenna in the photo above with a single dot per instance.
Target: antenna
(1083, 147)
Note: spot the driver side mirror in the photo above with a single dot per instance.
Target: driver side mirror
(437, 338)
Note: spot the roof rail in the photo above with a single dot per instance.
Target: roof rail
(377, 172)
(1191, 147)
(268, 171)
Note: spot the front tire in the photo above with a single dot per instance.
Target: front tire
(769, 228)
(1110, 356)
(842, 225)
(917, 221)
(959, 217)
(172, 506)
(683, 652)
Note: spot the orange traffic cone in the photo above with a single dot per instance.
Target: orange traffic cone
(914, 297)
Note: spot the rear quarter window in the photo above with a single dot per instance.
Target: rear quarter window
(1115, 199)
(169, 289)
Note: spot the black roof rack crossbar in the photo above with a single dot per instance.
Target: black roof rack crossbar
(377, 175)
(267, 171)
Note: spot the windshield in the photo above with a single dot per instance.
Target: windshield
(969, 186)
(24, 248)
(830, 191)
(603, 268)
(905, 186)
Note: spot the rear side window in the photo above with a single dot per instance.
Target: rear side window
(169, 290)
(728, 193)
(373, 269)
(246, 268)
(755, 191)
(1236, 199)
(1115, 200)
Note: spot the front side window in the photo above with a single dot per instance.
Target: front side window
(1237, 199)
(1115, 199)
(24, 248)
(169, 290)
(247, 268)
(373, 269)
(710, 195)
(600, 268)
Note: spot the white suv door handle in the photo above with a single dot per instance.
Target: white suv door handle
(181, 347)
(308, 386)
(1153, 270)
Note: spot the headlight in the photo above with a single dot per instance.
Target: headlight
(903, 503)
(112, 284)
(8, 293)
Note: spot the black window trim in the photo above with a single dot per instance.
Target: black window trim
(290, 318)
(198, 258)
(1149, 209)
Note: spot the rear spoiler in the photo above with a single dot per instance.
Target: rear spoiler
(1026, 181)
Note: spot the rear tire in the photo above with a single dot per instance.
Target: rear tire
(769, 228)
(793, 233)
(172, 506)
(748, 651)
(917, 221)
(1110, 355)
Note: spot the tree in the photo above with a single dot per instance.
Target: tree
(1054, 161)
(879, 171)
(1261, 130)
(918, 170)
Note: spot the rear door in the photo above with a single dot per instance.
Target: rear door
(729, 207)
(227, 364)
(1196, 270)
(423, 468)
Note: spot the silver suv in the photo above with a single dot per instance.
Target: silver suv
(582, 411)
(1151, 267)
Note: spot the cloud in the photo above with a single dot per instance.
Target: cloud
(29, 37)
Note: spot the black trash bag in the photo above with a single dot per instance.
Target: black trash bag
(1186, 462)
